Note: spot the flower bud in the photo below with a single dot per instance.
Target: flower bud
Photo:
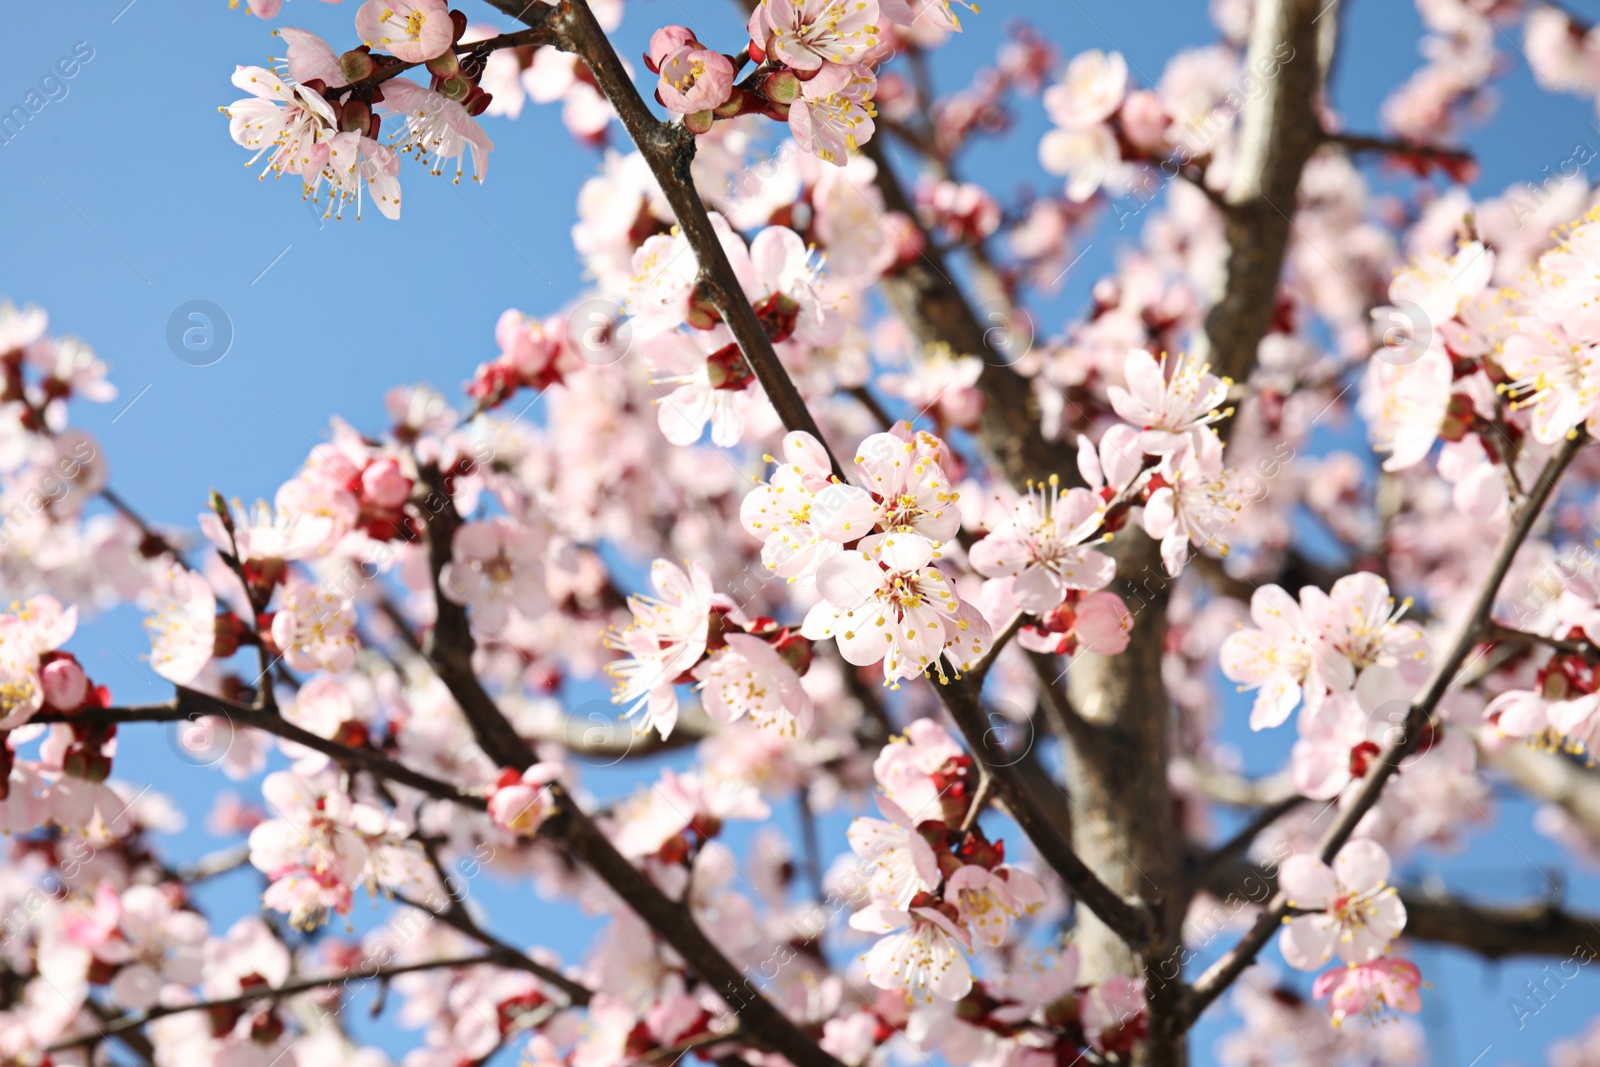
(699, 121)
(357, 64)
(384, 484)
(355, 117)
(732, 107)
(444, 65)
(664, 42)
(220, 506)
(64, 684)
(782, 87)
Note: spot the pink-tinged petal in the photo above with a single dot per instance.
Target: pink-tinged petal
(1519, 713)
(1307, 882)
(1573, 716)
(1000, 557)
(849, 580)
(1091, 570)
(1308, 941)
(1037, 589)
(683, 414)
(1362, 866)
(902, 552)
(311, 57)
(1119, 455)
(864, 635)
(1089, 463)
(885, 460)
(1320, 770)
(1103, 624)
(1146, 382)
(879, 920)
(843, 513)
(1275, 701)
(1160, 513)
(1276, 612)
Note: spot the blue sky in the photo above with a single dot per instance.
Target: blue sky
(123, 199)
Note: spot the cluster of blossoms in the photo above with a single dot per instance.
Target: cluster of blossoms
(1350, 910)
(869, 549)
(743, 666)
(1346, 656)
(453, 563)
(64, 785)
(937, 889)
(1563, 704)
(309, 120)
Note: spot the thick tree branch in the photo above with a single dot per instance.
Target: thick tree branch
(1493, 931)
(1554, 779)
(190, 705)
(927, 297)
(450, 644)
(1446, 157)
(1496, 932)
(1279, 130)
(1220, 975)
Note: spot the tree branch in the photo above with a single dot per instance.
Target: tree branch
(1279, 130)
(1537, 929)
(1552, 778)
(668, 150)
(121, 1026)
(1221, 974)
(1494, 931)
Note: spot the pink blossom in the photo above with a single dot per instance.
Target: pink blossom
(412, 30)
(310, 58)
(712, 383)
(990, 901)
(914, 494)
(1556, 377)
(896, 861)
(924, 954)
(782, 510)
(806, 34)
(748, 676)
(1090, 91)
(314, 628)
(1176, 411)
(906, 768)
(183, 626)
(1372, 988)
(834, 112)
(1042, 545)
(322, 845)
(694, 79)
(495, 567)
(1194, 506)
(1088, 158)
(1274, 657)
(666, 638)
(522, 803)
(436, 127)
(680, 802)
(664, 42)
(287, 122)
(1355, 911)
(884, 602)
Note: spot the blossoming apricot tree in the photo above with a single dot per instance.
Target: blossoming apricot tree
(978, 592)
